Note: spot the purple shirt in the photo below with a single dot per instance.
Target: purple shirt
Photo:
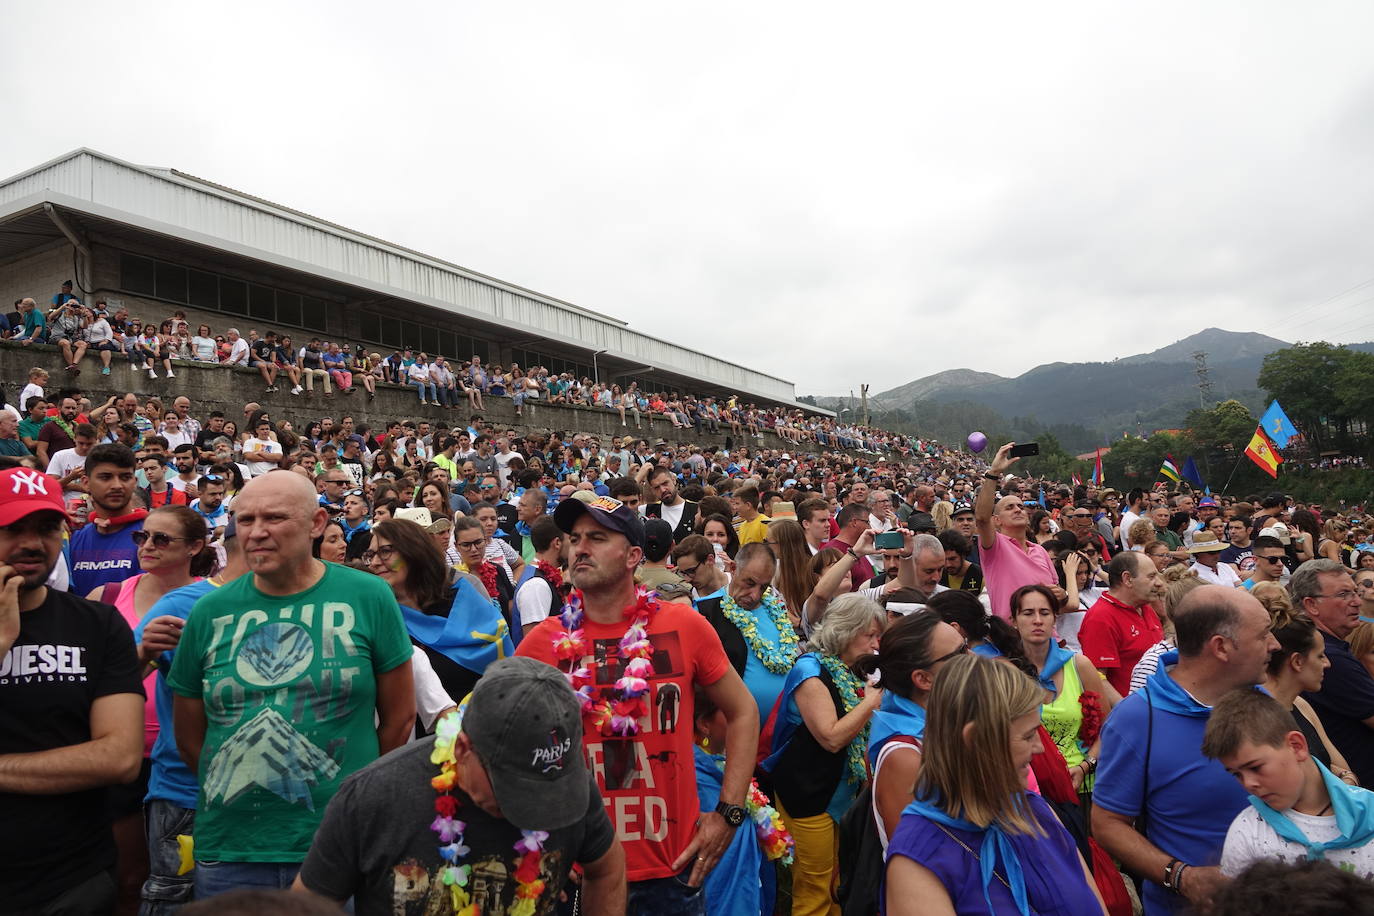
(1053, 872)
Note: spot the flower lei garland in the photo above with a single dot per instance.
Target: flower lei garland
(489, 577)
(553, 573)
(774, 839)
(618, 713)
(847, 683)
(455, 876)
(1091, 725)
(777, 659)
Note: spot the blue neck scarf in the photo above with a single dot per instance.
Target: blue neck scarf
(1057, 659)
(1352, 806)
(1165, 695)
(522, 529)
(350, 530)
(895, 716)
(996, 847)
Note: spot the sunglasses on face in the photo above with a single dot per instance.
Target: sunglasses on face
(160, 540)
(962, 650)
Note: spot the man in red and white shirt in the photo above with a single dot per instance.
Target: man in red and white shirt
(1122, 625)
(647, 776)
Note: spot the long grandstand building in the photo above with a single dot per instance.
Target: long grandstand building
(155, 240)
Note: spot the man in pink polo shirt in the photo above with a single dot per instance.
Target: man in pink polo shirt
(1122, 625)
(1009, 558)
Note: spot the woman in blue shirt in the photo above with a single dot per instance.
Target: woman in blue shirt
(975, 840)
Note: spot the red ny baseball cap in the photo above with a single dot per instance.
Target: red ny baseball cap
(24, 491)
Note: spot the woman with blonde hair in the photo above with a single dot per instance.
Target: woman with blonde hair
(1141, 534)
(819, 741)
(974, 839)
(942, 513)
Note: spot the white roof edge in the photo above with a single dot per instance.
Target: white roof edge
(166, 173)
(102, 211)
(242, 198)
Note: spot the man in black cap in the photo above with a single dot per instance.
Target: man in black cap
(517, 770)
(71, 715)
(658, 543)
(631, 657)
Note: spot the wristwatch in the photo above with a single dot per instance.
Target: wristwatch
(733, 814)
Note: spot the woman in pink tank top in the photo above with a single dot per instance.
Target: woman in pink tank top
(171, 553)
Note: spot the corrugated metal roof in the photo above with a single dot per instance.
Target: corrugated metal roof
(177, 204)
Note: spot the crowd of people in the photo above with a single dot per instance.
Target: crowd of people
(449, 666)
(77, 330)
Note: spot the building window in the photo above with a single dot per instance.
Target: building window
(203, 290)
(262, 303)
(185, 286)
(136, 274)
(233, 296)
(171, 282)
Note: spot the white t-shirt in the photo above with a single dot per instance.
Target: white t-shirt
(1128, 518)
(30, 391)
(672, 514)
(62, 463)
(254, 444)
(238, 353)
(1224, 575)
(1251, 839)
(532, 600)
(503, 466)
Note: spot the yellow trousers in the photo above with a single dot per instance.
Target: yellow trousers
(816, 864)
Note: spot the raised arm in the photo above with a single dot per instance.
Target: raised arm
(986, 502)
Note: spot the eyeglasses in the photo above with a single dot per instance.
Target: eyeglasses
(687, 572)
(160, 540)
(354, 492)
(469, 545)
(385, 552)
(1270, 559)
(962, 650)
(1343, 595)
(340, 482)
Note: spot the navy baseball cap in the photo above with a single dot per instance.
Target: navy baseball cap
(606, 511)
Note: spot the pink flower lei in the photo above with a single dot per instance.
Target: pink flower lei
(620, 712)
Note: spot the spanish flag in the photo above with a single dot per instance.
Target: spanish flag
(1261, 451)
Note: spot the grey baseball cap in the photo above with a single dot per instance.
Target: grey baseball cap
(525, 724)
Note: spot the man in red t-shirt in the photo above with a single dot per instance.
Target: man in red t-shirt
(1121, 625)
(648, 779)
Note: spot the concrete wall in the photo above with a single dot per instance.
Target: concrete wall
(229, 390)
(38, 275)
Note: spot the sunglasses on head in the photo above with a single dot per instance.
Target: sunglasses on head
(160, 540)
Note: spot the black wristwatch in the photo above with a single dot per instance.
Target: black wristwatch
(733, 814)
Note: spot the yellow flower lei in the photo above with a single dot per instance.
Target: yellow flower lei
(777, 659)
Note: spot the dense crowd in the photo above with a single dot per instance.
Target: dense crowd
(445, 667)
(78, 330)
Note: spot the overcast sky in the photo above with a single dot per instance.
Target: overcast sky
(832, 193)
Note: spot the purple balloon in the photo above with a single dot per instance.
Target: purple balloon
(977, 441)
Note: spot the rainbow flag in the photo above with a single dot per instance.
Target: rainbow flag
(1097, 469)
